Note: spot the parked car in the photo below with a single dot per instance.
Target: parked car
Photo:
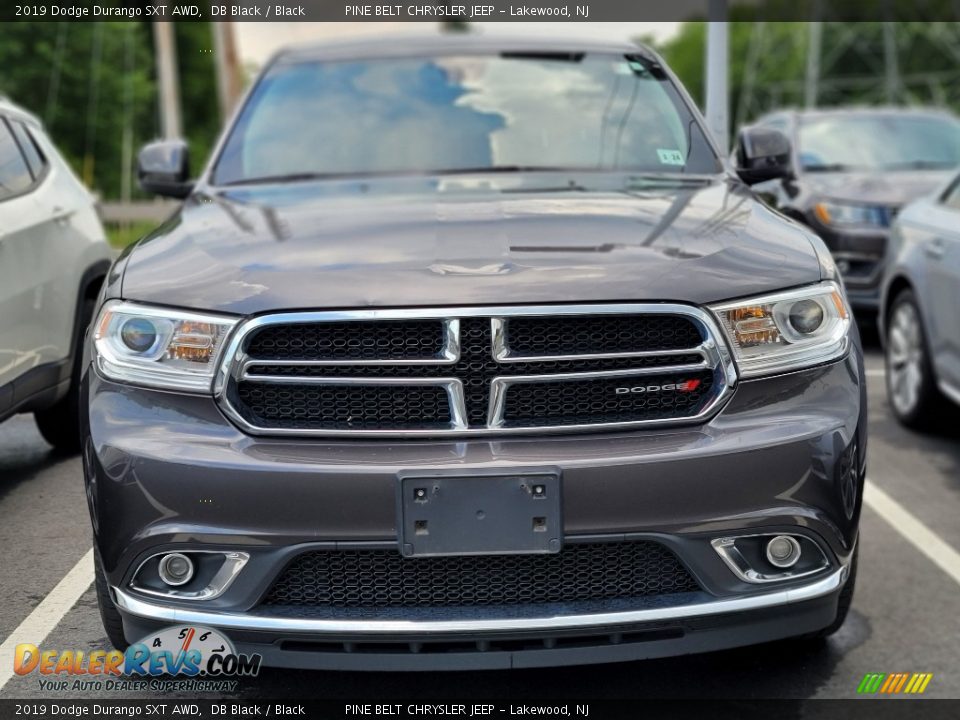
(466, 352)
(853, 169)
(921, 298)
(53, 259)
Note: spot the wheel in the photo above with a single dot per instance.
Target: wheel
(911, 384)
(59, 424)
(109, 615)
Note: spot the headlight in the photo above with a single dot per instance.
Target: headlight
(158, 347)
(787, 331)
(842, 215)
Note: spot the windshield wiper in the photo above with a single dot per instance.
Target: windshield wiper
(497, 169)
(307, 176)
(288, 178)
(638, 180)
(920, 165)
(834, 167)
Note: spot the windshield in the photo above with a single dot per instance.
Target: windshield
(878, 142)
(471, 113)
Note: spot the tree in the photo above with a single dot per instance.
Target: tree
(86, 81)
(768, 63)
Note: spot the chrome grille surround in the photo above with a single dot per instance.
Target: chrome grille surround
(716, 358)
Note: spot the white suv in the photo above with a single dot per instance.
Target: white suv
(53, 260)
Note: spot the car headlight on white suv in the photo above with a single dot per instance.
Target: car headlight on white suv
(159, 347)
(788, 330)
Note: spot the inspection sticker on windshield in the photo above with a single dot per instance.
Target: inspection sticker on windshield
(670, 157)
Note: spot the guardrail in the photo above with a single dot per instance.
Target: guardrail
(145, 210)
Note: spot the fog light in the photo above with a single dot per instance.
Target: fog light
(783, 551)
(175, 569)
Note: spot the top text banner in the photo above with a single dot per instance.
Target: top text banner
(459, 11)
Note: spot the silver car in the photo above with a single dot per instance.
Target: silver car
(920, 306)
(53, 260)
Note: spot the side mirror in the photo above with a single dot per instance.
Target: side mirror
(163, 168)
(762, 154)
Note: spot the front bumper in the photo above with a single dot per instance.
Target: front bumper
(169, 472)
(687, 625)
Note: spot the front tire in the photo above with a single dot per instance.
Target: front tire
(109, 615)
(911, 383)
(59, 424)
(844, 602)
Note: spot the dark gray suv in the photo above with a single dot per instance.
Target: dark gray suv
(472, 353)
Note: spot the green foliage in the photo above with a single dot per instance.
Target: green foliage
(768, 63)
(119, 235)
(59, 88)
(198, 90)
(88, 81)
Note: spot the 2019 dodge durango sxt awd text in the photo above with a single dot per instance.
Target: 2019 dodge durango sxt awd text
(467, 352)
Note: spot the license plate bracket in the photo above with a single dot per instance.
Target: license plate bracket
(480, 514)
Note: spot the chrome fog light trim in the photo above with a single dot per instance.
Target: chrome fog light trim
(233, 563)
(728, 551)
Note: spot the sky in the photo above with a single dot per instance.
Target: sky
(258, 41)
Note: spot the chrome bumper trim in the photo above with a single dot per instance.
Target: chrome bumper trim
(149, 610)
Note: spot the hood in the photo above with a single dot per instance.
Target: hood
(892, 189)
(468, 241)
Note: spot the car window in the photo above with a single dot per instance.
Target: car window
(878, 141)
(35, 159)
(464, 113)
(15, 177)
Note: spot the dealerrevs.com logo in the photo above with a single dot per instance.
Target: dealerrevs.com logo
(184, 651)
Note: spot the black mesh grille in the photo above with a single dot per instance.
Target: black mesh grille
(662, 397)
(309, 407)
(599, 334)
(345, 407)
(384, 578)
(373, 340)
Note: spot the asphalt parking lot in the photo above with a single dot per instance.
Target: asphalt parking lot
(906, 614)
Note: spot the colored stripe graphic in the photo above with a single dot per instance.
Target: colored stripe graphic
(894, 683)
(870, 683)
(889, 683)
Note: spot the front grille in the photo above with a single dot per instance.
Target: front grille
(345, 406)
(590, 401)
(378, 340)
(532, 336)
(384, 578)
(476, 372)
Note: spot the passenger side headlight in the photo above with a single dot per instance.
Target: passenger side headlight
(159, 348)
(844, 215)
(788, 330)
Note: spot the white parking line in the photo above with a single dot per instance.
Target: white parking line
(45, 616)
(912, 530)
(874, 372)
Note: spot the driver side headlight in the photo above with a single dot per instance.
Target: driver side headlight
(844, 215)
(787, 331)
(157, 347)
